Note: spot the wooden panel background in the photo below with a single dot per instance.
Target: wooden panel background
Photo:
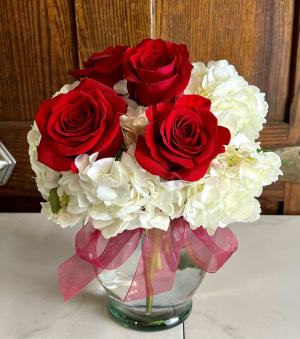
(41, 40)
(253, 35)
(37, 48)
(124, 22)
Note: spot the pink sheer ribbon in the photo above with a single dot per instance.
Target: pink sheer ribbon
(158, 262)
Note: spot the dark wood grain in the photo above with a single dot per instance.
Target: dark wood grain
(274, 134)
(294, 116)
(271, 207)
(20, 204)
(292, 191)
(254, 35)
(272, 198)
(292, 199)
(21, 182)
(37, 49)
(103, 23)
(275, 192)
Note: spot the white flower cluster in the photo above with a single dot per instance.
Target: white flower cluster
(46, 178)
(227, 194)
(117, 194)
(238, 106)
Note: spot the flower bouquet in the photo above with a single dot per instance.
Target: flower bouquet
(155, 156)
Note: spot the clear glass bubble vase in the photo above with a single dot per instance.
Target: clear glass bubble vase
(162, 311)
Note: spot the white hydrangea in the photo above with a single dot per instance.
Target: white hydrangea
(62, 218)
(117, 193)
(238, 106)
(229, 190)
(46, 178)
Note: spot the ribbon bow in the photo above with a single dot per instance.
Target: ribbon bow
(159, 259)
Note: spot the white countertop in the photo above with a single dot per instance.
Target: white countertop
(255, 295)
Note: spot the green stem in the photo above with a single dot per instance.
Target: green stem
(148, 285)
(151, 265)
(149, 301)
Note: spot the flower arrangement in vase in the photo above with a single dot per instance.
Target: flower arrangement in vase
(156, 156)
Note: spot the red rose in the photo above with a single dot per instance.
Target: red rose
(156, 71)
(85, 120)
(105, 66)
(181, 139)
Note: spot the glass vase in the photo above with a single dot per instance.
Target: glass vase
(162, 311)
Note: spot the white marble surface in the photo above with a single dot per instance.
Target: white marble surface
(255, 295)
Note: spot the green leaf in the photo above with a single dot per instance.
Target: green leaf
(186, 262)
(286, 163)
(54, 201)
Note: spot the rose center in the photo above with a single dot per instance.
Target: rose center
(77, 118)
(154, 61)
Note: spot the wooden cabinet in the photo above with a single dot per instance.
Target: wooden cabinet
(41, 40)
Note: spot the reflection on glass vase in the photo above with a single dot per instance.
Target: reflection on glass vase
(162, 311)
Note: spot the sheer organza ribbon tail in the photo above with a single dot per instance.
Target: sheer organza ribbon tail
(94, 254)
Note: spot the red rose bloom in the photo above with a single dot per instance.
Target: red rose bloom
(105, 66)
(85, 120)
(156, 71)
(181, 139)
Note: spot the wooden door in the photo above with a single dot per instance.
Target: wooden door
(41, 40)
